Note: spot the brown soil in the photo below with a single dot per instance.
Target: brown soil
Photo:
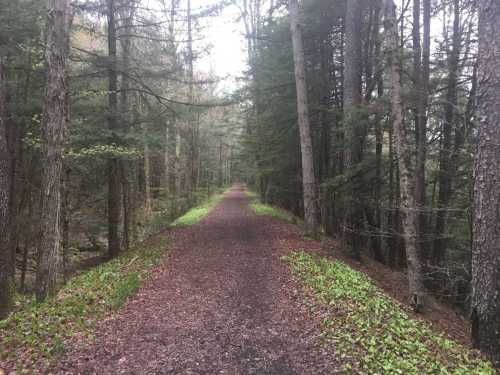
(223, 303)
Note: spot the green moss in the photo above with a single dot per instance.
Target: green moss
(196, 214)
(373, 334)
(42, 328)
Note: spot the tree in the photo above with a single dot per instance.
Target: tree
(403, 155)
(114, 175)
(421, 88)
(353, 121)
(308, 177)
(7, 284)
(446, 162)
(54, 124)
(486, 221)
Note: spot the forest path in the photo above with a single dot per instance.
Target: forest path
(223, 303)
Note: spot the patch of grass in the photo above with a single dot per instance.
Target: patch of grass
(372, 333)
(198, 213)
(265, 209)
(251, 195)
(42, 328)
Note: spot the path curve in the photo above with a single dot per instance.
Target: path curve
(223, 303)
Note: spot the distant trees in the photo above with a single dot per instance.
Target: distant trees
(486, 251)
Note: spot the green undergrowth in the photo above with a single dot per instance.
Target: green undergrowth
(267, 210)
(372, 333)
(198, 213)
(41, 329)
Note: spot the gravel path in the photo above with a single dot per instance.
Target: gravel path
(223, 303)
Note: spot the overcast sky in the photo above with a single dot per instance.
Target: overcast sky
(224, 33)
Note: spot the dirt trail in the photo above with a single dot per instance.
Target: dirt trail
(223, 303)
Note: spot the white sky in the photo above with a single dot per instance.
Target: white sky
(228, 54)
(224, 33)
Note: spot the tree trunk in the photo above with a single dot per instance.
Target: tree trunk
(379, 136)
(147, 174)
(403, 155)
(354, 123)
(66, 218)
(190, 172)
(446, 169)
(126, 166)
(421, 88)
(308, 177)
(114, 173)
(49, 256)
(177, 161)
(221, 174)
(486, 206)
(170, 124)
(7, 282)
(166, 160)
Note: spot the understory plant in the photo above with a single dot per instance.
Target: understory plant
(37, 332)
(267, 210)
(374, 334)
(198, 213)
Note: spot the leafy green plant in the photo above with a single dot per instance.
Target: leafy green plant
(196, 214)
(374, 334)
(125, 288)
(42, 328)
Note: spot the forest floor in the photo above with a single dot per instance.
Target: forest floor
(240, 292)
(223, 303)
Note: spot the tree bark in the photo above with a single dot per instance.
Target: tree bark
(7, 282)
(403, 154)
(379, 134)
(190, 172)
(65, 220)
(166, 160)
(147, 173)
(49, 255)
(177, 160)
(126, 12)
(446, 163)
(114, 170)
(308, 177)
(486, 205)
(354, 122)
(421, 87)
